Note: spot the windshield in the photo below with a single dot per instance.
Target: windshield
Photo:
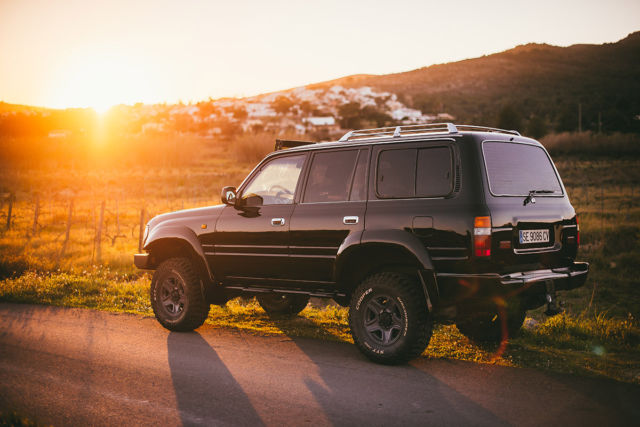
(518, 169)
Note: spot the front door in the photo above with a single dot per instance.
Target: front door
(252, 238)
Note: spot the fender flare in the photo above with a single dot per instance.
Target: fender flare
(397, 239)
(180, 232)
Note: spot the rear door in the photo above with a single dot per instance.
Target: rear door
(332, 208)
(532, 219)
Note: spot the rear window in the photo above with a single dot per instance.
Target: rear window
(516, 169)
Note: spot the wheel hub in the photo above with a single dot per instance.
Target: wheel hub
(385, 319)
(175, 295)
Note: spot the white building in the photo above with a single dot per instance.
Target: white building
(319, 121)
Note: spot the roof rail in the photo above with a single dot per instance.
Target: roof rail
(398, 131)
(486, 129)
(286, 143)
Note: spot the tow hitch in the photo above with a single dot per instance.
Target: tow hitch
(554, 306)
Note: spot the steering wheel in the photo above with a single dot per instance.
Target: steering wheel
(283, 190)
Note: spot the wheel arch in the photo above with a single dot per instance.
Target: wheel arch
(169, 242)
(388, 250)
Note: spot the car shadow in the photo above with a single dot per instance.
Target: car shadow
(450, 392)
(206, 392)
(355, 391)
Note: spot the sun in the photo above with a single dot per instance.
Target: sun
(100, 82)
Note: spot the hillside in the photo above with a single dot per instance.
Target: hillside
(536, 80)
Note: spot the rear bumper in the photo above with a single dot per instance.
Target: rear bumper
(141, 261)
(524, 283)
(564, 278)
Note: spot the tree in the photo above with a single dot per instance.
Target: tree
(509, 118)
(308, 108)
(282, 104)
(537, 127)
(349, 115)
(239, 113)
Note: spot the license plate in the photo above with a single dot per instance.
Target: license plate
(534, 236)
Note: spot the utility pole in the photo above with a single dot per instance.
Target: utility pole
(579, 118)
(599, 122)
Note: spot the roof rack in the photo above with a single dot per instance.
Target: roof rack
(286, 143)
(398, 131)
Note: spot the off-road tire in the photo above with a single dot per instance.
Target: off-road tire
(494, 326)
(177, 296)
(283, 304)
(389, 318)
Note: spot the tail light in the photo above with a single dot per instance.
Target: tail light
(577, 232)
(482, 236)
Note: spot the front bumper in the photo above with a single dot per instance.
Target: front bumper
(142, 261)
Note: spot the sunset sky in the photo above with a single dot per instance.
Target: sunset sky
(100, 53)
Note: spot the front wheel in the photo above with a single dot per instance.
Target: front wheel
(389, 318)
(176, 296)
(283, 304)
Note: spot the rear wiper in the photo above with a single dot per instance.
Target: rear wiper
(530, 199)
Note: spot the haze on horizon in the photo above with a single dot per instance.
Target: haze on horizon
(96, 54)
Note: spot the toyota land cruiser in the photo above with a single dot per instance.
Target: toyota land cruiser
(407, 226)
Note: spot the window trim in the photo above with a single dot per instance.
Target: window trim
(440, 144)
(313, 155)
(267, 161)
(553, 165)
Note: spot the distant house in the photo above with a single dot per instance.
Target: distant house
(252, 125)
(408, 115)
(260, 109)
(445, 116)
(319, 121)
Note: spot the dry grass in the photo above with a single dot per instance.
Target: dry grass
(592, 144)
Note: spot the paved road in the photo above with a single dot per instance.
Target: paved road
(75, 367)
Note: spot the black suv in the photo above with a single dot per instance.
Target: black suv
(407, 226)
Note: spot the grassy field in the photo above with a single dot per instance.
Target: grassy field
(598, 335)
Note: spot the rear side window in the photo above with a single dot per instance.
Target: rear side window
(330, 176)
(423, 172)
(516, 169)
(433, 174)
(397, 173)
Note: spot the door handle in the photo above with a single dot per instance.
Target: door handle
(349, 220)
(277, 221)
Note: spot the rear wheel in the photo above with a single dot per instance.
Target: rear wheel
(498, 324)
(283, 304)
(176, 296)
(389, 319)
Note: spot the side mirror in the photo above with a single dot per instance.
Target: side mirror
(228, 196)
(252, 201)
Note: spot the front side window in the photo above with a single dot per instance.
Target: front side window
(330, 176)
(276, 181)
(516, 169)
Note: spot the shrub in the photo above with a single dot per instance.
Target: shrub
(252, 147)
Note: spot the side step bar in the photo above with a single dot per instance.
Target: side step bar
(255, 290)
